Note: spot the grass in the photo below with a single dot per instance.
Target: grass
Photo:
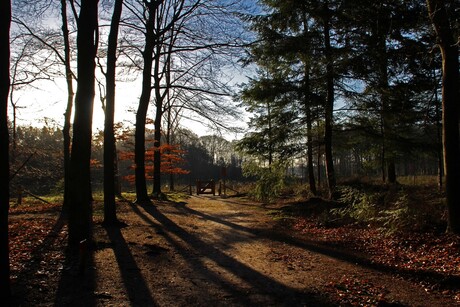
(419, 180)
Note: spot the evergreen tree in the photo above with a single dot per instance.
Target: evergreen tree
(273, 122)
(299, 38)
(389, 64)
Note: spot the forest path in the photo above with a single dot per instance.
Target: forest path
(208, 251)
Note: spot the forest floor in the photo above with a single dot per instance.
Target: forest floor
(209, 251)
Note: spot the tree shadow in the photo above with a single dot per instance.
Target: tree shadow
(262, 289)
(445, 281)
(135, 284)
(38, 267)
(77, 284)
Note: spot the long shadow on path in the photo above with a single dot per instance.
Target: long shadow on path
(262, 289)
(77, 285)
(445, 280)
(138, 291)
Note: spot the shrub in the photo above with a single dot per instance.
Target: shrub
(392, 210)
(269, 181)
(360, 207)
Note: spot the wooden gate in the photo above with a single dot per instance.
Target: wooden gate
(205, 187)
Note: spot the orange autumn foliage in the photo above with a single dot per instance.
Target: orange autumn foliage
(171, 159)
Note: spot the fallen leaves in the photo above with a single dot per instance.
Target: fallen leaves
(30, 237)
(351, 291)
(432, 258)
(428, 252)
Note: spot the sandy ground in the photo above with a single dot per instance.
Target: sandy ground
(209, 251)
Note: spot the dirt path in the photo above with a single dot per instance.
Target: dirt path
(209, 251)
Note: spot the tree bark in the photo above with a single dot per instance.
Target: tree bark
(381, 32)
(450, 110)
(80, 213)
(5, 21)
(391, 170)
(68, 112)
(307, 106)
(141, 115)
(157, 153)
(169, 140)
(110, 212)
(159, 97)
(159, 104)
(329, 107)
(311, 170)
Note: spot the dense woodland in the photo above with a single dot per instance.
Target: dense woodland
(334, 90)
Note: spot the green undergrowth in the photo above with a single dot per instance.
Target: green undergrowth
(391, 208)
(395, 208)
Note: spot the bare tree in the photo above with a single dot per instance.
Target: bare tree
(157, 18)
(141, 115)
(51, 42)
(68, 111)
(5, 21)
(110, 216)
(30, 65)
(187, 70)
(183, 65)
(80, 212)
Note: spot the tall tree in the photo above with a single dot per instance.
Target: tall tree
(160, 18)
(447, 42)
(298, 36)
(182, 68)
(30, 19)
(162, 74)
(5, 21)
(330, 97)
(387, 58)
(80, 211)
(110, 216)
(141, 116)
(68, 112)
(161, 85)
(274, 121)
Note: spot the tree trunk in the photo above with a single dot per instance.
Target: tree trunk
(141, 116)
(117, 176)
(311, 171)
(450, 114)
(110, 212)
(383, 148)
(5, 21)
(270, 136)
(80, 215)
(318, 156)
(391, 170)
(159, 98)
(157, 152)
(169, 140)
(439, 148)
(381, 33)
(329, 108)
(307, 106)
(68, 111)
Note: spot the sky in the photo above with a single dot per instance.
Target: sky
(45, 104)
